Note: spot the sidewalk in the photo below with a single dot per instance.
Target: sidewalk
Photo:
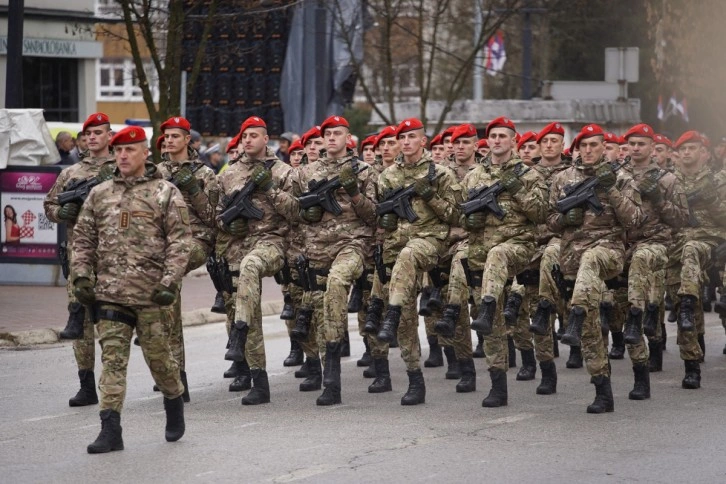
(35, 314)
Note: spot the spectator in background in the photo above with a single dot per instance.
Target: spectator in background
(286, 140)
(81, 146)
(64, 143)
(213, 158)
(196, 140)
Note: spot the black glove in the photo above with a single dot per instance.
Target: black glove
(606, 176)
(69, 212)
(388, 221)
(475, 221)
(163, 296)
(649, 190)
(511, 182)
(262, 178)
(574, 217)
(313, 214)
(349, 181)
(424, 189)
(83, 290)
(238, 228)
(184, 179)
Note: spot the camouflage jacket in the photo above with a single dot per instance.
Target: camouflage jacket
(711, 219)
(621, 211)
(353, 227)
(203, 204)
(275, 203)
(435, 216)
(133, 233)
(523, 210)
(87, 168)
(664, 219)
(457, 234)
(544, 234)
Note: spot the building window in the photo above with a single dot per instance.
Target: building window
(108, 9)
(117, 81)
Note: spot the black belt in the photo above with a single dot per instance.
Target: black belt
(118, 316)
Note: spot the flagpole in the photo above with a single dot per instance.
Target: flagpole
(478, 61)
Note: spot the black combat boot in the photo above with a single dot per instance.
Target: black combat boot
(434, 303)
(174, 418)
(467, 384)
(74, 326)
(423, 303)
(302, 324)
(110, 437)
(288, 310)
(260, 392)
(365, 359)
(668, 303)
(528, 370)
(331, 378)
(243, 380)
(373, 315)
(233, 370)
(382, 383)
(720, 306)
(548, 385)
(498, 394)
(479, 349)
(633, 323)
(617, 351)
(672, 316)
(692, 380)
(655, 360)
(603, 395)
(573, 334)
(541, 320)
(687, 313)
(304, 371)
(641, 388)
(314, 380)
(575, 359)
(453, 372)
(607, 315)
(651, 319)
(485, 320)
(446, 326)
(355, 302)
(511, 309)
(185, 395)
(436, 357)
(702, 344)
(706, 299)
(218, 306)
(512, 356)
(345, 345)
(389, 327)
(394, 343)
(237, 341)
(416, 392)
(296, 354)
(87, 394)
(370, 372)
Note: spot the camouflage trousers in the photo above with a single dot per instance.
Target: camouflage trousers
(175, 331)
(418, 256)
(524, 339)
(84, 348)
(299, 301)
(198, 255)
(262, 261)
(346, 268)
(547, 287)
(115, 340)
(597, 264)
(458, 290)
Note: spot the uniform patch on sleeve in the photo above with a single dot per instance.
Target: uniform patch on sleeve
(138, 213)
(124, 218)
(183, 211)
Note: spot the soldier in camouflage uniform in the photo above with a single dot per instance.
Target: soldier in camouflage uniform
(693, 248)
(199, 187)
(592, 250)
(414, 246)
(665, 209)
(257, 248)
(80, 327)
(133, 234)
(501, 246)
(438, 151)
(336, 245)
(527, 148)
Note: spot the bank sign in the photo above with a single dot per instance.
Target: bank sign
(78, 49)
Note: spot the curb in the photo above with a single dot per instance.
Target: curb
(196, 317)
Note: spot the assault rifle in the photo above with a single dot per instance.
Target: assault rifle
(485, 198)
(240, 205)
(398, 200)
(322, 192)
(380, 266)
(693, 198)
(77, 190)
(583, 194)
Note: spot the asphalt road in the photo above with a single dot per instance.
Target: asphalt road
(677, 436)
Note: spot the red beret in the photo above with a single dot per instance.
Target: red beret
(483, 143)
(436, 140)
(448, 132)
(333, 122)
(252, 122)
(407, 125)
(587, 131)
(611, 138)
(567, 153)
(500, 122)
(96, 119)
(351, 143)
(662, 140)
(528, 136)
(159, 141)
(129, 135)
(176, 122)
(312, 133)
(369, 140)
(704, 139)
(689, 137)
(552, 128)
(295, 146)
(387, 132)
(463, 131)
(641, 130)
(233, 143)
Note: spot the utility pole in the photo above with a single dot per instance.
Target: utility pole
(14, 69)
(478, 69)
(527, 12)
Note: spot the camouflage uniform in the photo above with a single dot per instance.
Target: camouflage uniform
(133, 233)
(594, 252)
(261, 252)
(503, 248)
(88, 167)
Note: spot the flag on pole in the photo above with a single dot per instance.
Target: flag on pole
(494, 53)
(682, 109)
